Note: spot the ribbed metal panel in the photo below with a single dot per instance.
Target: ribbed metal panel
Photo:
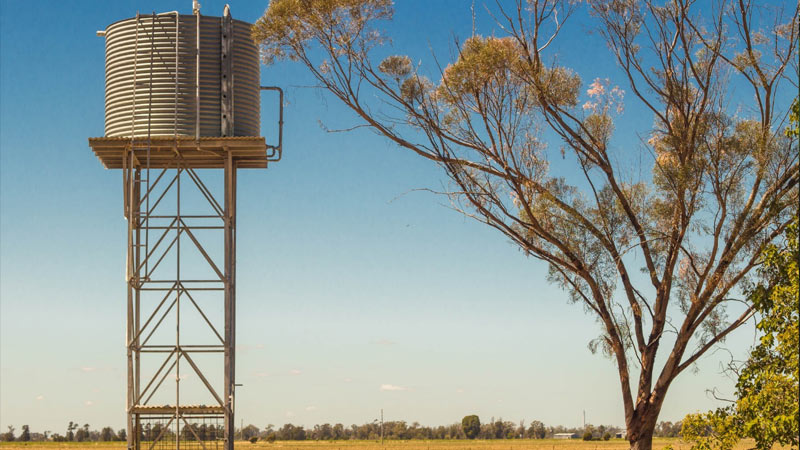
(143, 92)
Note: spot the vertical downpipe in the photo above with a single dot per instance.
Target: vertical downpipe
(177, 67)
(226, 88)
(197, 75)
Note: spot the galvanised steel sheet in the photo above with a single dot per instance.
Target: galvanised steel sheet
(144, 94)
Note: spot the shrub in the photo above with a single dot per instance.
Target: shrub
(607, 436)
(587, 436)
(271, 437)
(254, 439)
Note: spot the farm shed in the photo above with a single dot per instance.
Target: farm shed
(565, 436)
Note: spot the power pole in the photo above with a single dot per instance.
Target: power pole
(584, 421)
(381, 426)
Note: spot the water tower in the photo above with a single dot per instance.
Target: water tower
(182, 115)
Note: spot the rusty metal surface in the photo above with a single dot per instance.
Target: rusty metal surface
(165, 152)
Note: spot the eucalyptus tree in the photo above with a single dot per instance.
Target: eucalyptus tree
(718, 181)
(767, 407)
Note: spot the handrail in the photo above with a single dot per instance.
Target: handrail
(276, 149)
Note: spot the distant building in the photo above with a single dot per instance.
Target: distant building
(565, 436)
(621, 434)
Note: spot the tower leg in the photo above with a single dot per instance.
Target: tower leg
(131, 195)
(230, 300)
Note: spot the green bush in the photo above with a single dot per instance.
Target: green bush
(607, 436)
(587, 436)
(271, 438)
(254, 439)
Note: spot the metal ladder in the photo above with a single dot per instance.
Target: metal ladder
(143, 183)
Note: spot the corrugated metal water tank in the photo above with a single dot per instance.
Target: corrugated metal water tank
(142, 92)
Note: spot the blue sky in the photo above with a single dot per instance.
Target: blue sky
(355, 291)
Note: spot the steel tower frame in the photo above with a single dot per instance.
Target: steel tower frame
(151, 238)
(161, 170)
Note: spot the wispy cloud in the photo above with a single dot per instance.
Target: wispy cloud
(289, 414)
(262, 374)
(40, 397)
(311, 408)
(392, 387)
(295, 372)
(88, 369)
(246, 348)
(459, 391)
(88, 403)
(347, 380)
(385, 342)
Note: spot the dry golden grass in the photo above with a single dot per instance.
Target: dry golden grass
(521, 444)
(517, 444)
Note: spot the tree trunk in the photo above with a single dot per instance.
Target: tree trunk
(640, 433)
(644, 440)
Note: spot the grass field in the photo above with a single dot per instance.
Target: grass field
(520, 444)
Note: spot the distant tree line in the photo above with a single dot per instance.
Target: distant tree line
(73, 433)
(469, 428)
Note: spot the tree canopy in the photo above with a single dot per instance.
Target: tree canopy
(766, 407)
(718, 182)
(471, 426)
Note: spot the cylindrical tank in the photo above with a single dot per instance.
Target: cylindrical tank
(145, 97)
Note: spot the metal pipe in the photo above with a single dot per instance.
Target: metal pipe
(177, 66)
(227, 119)
(197, 75)
(277, 149)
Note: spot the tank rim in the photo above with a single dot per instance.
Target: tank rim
(170, 14)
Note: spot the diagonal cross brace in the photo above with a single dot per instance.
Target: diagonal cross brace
(202, 377)
(186, 229)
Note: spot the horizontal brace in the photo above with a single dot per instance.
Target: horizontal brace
(186, 289)
(183, 346)
(199, 227)
(184, 351)
(184, 281)
(185, 216)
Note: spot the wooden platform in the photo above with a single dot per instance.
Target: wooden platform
(168, 152)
